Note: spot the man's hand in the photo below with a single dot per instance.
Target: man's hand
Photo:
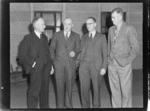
(102, 71)
(52, 71)
(72, 54)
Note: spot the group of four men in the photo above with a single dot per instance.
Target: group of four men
(91, 53)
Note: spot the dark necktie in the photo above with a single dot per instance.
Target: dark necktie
(66, 37)
(90, 36)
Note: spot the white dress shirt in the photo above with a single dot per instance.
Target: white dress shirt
(66, 33)
(93, 33)
(37, 33)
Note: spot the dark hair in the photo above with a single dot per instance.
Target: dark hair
(92, 19)
(118, 10)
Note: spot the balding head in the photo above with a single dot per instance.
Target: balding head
(67, 24)
(38, 24)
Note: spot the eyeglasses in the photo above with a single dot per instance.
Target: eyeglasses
(89, 23)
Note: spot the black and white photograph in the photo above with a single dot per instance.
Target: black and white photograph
(76, 55)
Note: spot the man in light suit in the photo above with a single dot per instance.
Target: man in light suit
(122, 49)
(65, 47)
(93, 63)
(35, 57)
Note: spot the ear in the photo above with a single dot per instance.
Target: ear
(35, 25)
(72, 25)
(95, 24)
(120, 17)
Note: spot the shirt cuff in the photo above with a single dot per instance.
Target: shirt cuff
(33, 64)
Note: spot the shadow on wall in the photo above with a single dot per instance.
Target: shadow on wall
(61, 26)
(18, 61)
(84, 29)
(30, 29)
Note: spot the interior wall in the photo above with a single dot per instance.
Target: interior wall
(21, 15)
(20, 18)
(135, 18)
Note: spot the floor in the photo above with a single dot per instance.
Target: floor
(18, 93)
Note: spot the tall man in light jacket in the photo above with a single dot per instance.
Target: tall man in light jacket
(122, 49)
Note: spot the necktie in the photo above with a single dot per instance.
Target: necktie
(91, 35)
(66, 37)
(115, 35)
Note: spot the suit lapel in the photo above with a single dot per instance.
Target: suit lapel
(121, 31)
(35, 36)
(84, 43)
(95, 38)
(112, 35)
(71, 37)
(61, 38)
(45, 41)
(85, 40)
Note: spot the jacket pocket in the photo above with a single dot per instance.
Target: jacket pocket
(123, 59)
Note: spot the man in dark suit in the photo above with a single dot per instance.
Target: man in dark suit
(122, 49)
(93, 62)
(36, 61)
(65, 46)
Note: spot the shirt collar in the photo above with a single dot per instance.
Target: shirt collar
(37, 33)
(93, 33)
(119, 26)
(66, 33)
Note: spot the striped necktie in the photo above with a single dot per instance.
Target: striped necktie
(90, 35)
(115, 35)
(66, 37)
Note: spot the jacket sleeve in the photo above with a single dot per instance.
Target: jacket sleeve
(53, 46)
(109, 43)
(133, 42)
(47, 45)
(78, 45)
(104, 52)
(78, 50)
(82, 49)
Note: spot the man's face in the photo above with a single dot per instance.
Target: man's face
(68, 25)
(91, 25)
(40, 25)
(116, 18)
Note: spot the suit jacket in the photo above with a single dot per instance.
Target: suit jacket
(125, 47)
(100, 50)
(30, 51)
(60, 48)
